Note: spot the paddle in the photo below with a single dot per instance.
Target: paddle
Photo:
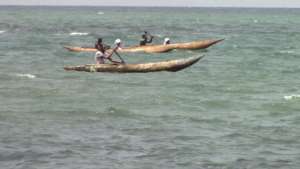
(119, 57)
(150, 36)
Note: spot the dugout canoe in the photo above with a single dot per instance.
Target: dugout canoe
(201, 44)
(132, 49)
(170, 65)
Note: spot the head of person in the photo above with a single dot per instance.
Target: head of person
(118, 42)
(167, 41)
(99, 40)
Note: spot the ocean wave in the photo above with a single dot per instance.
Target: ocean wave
(30, 76)
(235, 46)
(291, 97)
(78, 33)
(100, 13)
(2, 31)
(286, 51)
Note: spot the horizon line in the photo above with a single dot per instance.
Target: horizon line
(154, 6)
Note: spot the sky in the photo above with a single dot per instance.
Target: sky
(189, 3)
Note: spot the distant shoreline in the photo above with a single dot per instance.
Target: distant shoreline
(107, 6)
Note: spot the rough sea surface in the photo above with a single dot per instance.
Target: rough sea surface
(238, 108)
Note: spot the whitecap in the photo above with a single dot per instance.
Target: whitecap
(255, 21)
(2, 31)
(78, 33)
(286, 52)
(290, 97)
(100, 13)
(30, 76)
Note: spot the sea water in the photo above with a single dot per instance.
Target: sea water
(239, 107)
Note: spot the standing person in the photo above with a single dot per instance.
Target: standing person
(145, 38)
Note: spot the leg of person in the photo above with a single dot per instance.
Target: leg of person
(99, 60)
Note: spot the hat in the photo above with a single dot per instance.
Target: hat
(167, 39)
(117, 41)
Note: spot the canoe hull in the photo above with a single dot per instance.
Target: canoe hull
(201, 44)
(135, 49)
(79, 49)
(171, 65)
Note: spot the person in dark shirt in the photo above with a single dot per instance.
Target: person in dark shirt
(99, 45)
(101, 53)
(146, 38)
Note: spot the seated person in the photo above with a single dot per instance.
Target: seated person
(145, 39)
(101, 53)
(167, 41)
(99, 44)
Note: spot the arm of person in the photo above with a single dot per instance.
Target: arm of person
(151, 38)
(122, 61)
(109, 57)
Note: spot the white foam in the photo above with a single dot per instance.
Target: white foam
(79, 33)
(2, 31)
(290, 97)
(286, 51)
(255, 21)
(30, 76)
(100, 13)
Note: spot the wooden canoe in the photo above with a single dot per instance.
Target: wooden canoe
(170, 65)
(132, 49)
(201, 44)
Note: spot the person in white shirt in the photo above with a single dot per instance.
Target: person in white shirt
(118, 44)
(101, 55)
(167, 41)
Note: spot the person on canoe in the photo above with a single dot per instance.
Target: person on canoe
(100, 45)
(102, 54)
(145, 38)
(118, 44)
(167, 41)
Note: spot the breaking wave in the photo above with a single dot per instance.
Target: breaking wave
(30, 76)
(79, 33)
(286, 51)
(291, 97)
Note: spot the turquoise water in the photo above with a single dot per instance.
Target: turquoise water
(237, 108)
